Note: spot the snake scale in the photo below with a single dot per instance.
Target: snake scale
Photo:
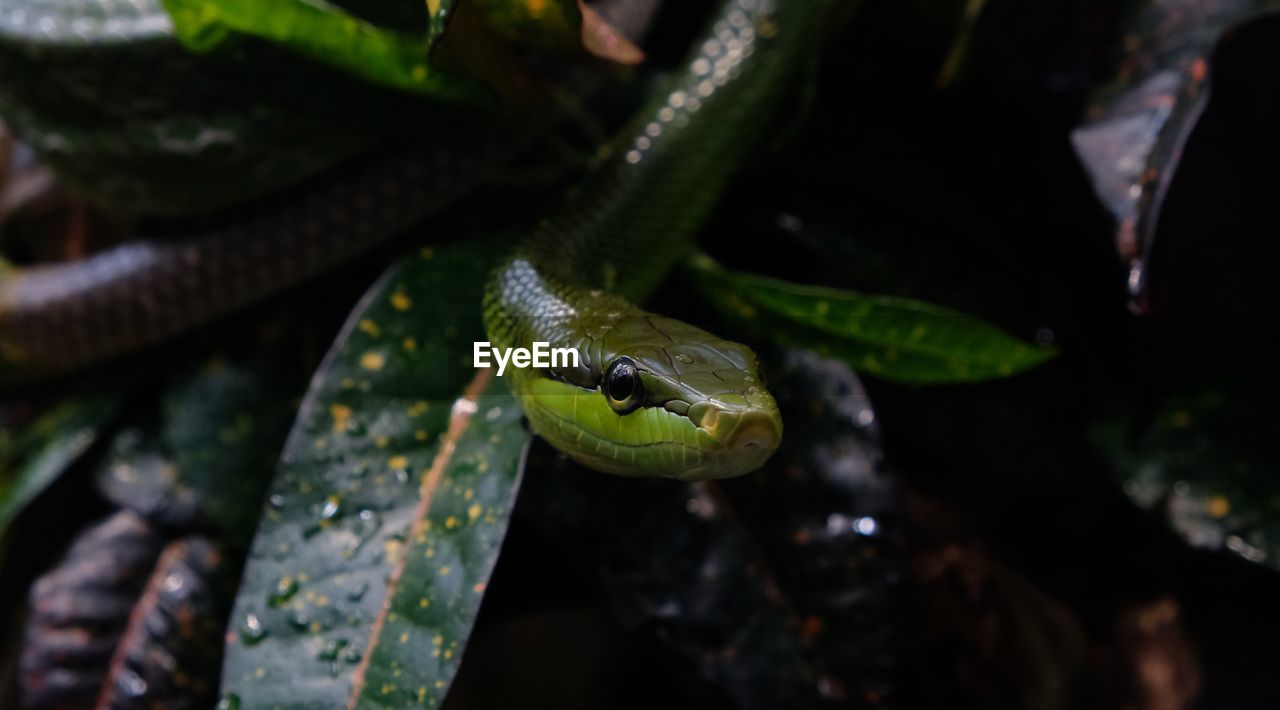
(651, 396)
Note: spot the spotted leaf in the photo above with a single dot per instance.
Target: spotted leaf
(388, 510)
(1204, 460)
(202, 453)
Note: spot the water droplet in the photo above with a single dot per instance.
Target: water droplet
(175, 586)
(132, 684)
(1137, 284)
(669, 609)
(251, 631)
(300, 621)
(230, 701)
(358, 593)
(332, 649)
(327, 512)
(330, 654)
(286, 587)
(866, 526)
(276, 500)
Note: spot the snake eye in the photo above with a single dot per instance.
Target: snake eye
(621, 386)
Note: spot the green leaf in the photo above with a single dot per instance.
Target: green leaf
(1205, 459)
(327, 34)
(892, 338)
(389, 508)
(33, 458)
(205, 451)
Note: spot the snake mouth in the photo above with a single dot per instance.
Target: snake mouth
(740, 430)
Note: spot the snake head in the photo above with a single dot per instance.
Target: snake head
(658, 397)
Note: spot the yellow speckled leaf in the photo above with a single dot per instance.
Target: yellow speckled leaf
(885, 336)
(389, 508)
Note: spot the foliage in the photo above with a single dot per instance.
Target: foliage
(380, 503)
(895, 338)
(386, 517)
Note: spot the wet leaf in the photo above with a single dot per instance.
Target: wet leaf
(121, 623)
(327, 34)
(206, 453)
(893, 338)
(825, 513)
(34, 457)
(778, 586)
(1138, 126)
(80, 608)
(168, 654)
(1206, 461)
(387, 513)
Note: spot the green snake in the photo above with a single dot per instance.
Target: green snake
(651, 396)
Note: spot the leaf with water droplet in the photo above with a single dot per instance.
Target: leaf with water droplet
(122, 616)
(382, 565)
(1204, 459)
(284, 591)
(203, 452)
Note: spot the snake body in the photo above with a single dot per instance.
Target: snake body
(650, 395)
(58, 317)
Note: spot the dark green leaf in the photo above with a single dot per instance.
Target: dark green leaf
(207, 452)
(893, 338)
(35, 457)
(389, 508)
(326, 33)
(1207, 461)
